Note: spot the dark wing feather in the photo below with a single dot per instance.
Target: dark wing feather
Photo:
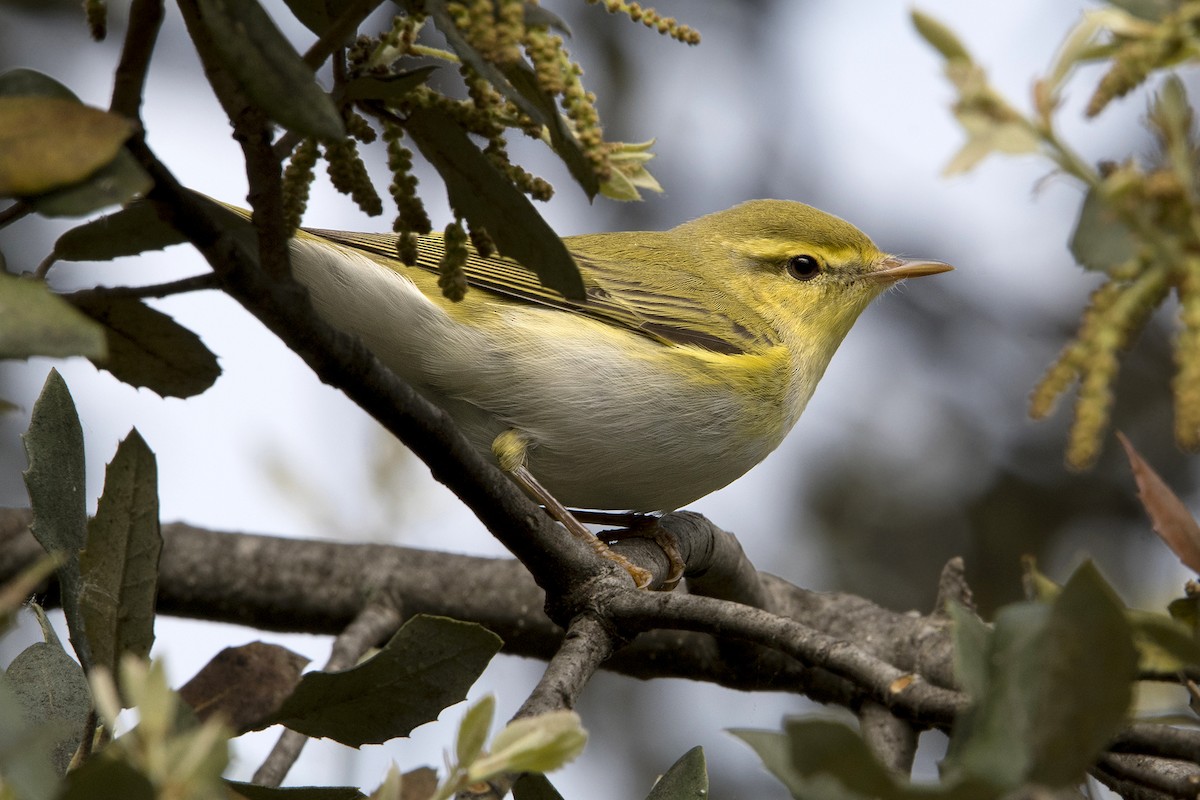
(613, 296)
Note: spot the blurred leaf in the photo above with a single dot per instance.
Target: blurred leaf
(25, 750)
(1037, 586)
(120, 563)
(1151, 10)
(418, 784)
(116, 183)
(538, 15)
(541, 743)
(474, 729)
(428, 665)
(1168, 515)
(1100, 241)
(1164, 645)
(775, 750)
(972, 638)
(14, 593)
(479, 192)
(55, 482)
(252, 791)
(106, 778)
(268, 69)
(1059, 687)
(316, 15)
(823, 746)
(386, 87)
(23, 82)
(127, 232)
(519, 84)
(534, 786)
(1187, 611)
(146, 348)
(687, 779)
(987, 135)
(35, 321)
(939, 37)
(50, 142)
(244, 685)
(392, 786)
(53, 692)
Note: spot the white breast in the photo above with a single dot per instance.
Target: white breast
(612, 429)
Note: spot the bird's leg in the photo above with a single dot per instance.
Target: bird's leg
(510, 449)
(646, 527)
(640, 526)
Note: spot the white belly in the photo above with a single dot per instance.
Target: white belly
(610, 427)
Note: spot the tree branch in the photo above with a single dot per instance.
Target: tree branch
(129, 84)
(379, 619)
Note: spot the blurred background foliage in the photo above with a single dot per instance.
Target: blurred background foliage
(917, 448)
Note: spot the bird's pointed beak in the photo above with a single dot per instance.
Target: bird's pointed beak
(894, 268)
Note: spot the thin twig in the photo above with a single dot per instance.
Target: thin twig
(145, 19)
(915, 699)
(339, 31)
(14, 212)
(375, 623)
(194, 283)
(588, 644)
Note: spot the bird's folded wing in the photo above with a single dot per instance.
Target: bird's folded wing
(614, 296)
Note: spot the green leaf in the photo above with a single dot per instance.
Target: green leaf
(971, 640)
(541, 743)
(269, 70)
(23, 82)
(519, 84)
(488, 199)
(1100, 241)
(823, 746)
(1089, 664)
(55, 482)
(316, 15)
(1164, 645)
(49, 142)
(117, 183)
(428, 665)
(146, 348)
(534, 786)
(387, 87)
(1058, 688)
(252, 791)
(106, 778)
(775, 750)
(687, 779)
(1187, 611)
(1151, 10)
(120, 564)
(473, 732)
(34, 321)
(989, 738)
(939, 37)
(25, 750)
(128, 232)
(53, 692)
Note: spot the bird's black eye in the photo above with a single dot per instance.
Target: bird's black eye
(803, 268)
